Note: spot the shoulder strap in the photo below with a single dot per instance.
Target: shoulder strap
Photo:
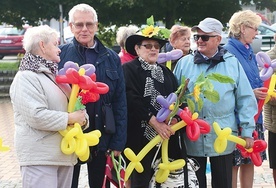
(56, 85)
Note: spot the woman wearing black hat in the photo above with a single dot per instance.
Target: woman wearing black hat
(145, 80)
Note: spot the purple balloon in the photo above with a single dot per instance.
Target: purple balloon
(89, 69)
(164, 112)
(68, 65)
(267, 65)
(172, 55)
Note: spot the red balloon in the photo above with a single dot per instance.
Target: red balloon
(259, 146)
(193, 131)
(204, 126)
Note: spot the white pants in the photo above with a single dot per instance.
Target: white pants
(47, 176)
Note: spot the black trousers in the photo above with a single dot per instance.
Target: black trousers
(96, 170)
(221, 171)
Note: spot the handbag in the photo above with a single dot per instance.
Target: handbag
(114, 171)
(108, 119)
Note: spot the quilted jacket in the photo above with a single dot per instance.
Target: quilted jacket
(40, 111)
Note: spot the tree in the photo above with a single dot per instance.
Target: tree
(122, 12)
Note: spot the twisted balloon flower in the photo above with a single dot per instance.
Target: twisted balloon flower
(223, 135)
(266, 64)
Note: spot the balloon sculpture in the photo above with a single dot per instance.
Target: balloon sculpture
(188, 119)
(169, 56)
(3, 148)
(84, 78)
(224, 135)
(266, 74)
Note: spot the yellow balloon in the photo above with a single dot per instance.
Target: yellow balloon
(165, 167)
(64, 132)
(224, 135)
(93, 137)
(82, 146)
(162, 175)
(270, 92)
(85, 156)
(68, 146)
(135, 160)
(70, 134)
(237, 140)
(73, 97)
(3, 148)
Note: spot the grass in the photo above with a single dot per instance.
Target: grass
(9, 65)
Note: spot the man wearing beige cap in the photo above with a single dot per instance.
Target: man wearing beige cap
(234, 99)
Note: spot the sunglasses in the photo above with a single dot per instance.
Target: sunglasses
(149, 46)
(203, 37)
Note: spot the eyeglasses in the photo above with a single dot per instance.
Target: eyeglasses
(149, 46)
(254, 28)
(203, 37)
(88, 25)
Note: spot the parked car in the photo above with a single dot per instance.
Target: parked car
(11, 41)
(263, 41)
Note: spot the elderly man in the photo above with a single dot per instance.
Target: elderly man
(235, 99)
(86, 48)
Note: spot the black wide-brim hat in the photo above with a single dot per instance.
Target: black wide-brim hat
(132, 40)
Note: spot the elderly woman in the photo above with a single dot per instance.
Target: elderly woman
(40, 105)
(122, 34)
(179, 39)
(242, 31)
(145, 80)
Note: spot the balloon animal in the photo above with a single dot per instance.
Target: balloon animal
(168, 106)
(224, 135)
(74, 140)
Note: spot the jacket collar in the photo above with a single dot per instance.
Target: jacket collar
(213, 61)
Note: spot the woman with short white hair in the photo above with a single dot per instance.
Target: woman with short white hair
(40, 112)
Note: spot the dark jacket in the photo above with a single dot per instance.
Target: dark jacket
(109, 71)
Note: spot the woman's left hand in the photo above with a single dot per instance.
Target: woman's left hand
(161, 128)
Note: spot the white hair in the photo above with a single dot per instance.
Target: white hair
(34, 35)
(82, 8)
(124, 32)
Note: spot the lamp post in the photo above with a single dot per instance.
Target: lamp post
(61, 24)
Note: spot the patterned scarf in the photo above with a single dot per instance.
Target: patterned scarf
(156, 71)
(33, 62)
(150, 91)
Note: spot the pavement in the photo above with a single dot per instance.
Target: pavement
(10, 171)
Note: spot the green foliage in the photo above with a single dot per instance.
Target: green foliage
(220, 78)
(107, 35)
(9, 65)
(119, 12)
(203, 87)
(79, 105)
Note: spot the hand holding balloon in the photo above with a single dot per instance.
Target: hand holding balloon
(220, 144)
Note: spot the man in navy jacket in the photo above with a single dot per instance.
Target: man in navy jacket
(86, 48)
